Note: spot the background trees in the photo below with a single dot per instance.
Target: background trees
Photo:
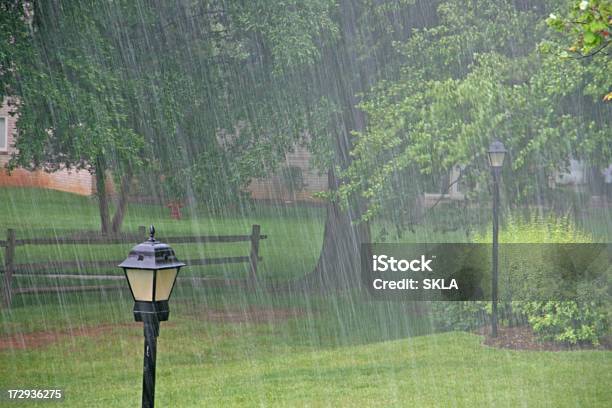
(72, 102)
(586, 29)
(474, 76)
(203, 96)
(202, 93)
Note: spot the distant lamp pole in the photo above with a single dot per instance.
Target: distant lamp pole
(151, 269)
(496, 153)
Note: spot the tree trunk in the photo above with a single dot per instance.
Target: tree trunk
(100, 173)
(126, 183)
(339, 263)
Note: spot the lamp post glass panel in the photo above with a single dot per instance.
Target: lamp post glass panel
(151, 269)
(496, 155)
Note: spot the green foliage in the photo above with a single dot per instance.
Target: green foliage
(536, 229)
(585, 320)
(72, 102)
(214, 194)
(460, 315)
(226, 76)
(585, 34)
(208, 95)
(541, 272)
(294, 29)
(587, 24)
(476, 76)
(321, 120)
(567, 322)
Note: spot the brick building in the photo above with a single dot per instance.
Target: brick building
(273, 188)
(277, 187)
(78, 182)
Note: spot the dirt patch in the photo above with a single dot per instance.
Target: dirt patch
(37, 339)
(251, 314)
(523, 338)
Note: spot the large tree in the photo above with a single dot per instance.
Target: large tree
(72, 103)
(363, 55)
(211, 93)
(200, 92)
(475, 76)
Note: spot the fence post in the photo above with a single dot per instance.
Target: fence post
(142, 231)
(255, 232)
(9, 259)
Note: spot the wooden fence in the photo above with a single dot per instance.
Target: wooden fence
(93, 238)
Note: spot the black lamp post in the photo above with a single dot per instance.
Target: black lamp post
(496, 153)
(151, 269)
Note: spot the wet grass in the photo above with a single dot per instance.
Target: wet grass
(335, 350)
(291, 230)
(339, 351)
(35, 212)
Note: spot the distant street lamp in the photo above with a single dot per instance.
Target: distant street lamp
(151, 269)
(496, 153)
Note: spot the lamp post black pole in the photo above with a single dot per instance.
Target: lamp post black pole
(151, 269)
(151, 331)
(496, 175)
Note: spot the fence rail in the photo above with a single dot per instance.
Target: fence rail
(204, 239)
(91, 238)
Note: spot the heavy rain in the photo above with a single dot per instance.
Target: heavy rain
(223, 181)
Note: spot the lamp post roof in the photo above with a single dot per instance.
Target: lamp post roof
(497, 147)
(151, 254)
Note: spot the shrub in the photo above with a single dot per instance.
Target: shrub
(537, 229)
(585, 320)
(567, 322)
(460, 315)
(529, 272)
(573, 322)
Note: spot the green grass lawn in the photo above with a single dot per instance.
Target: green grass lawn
(340, 349)
(297, 231)
(35, 212)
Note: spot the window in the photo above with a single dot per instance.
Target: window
(3, 135)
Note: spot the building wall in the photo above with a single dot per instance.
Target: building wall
(82, 182)
(272, 188)
(78, 182)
